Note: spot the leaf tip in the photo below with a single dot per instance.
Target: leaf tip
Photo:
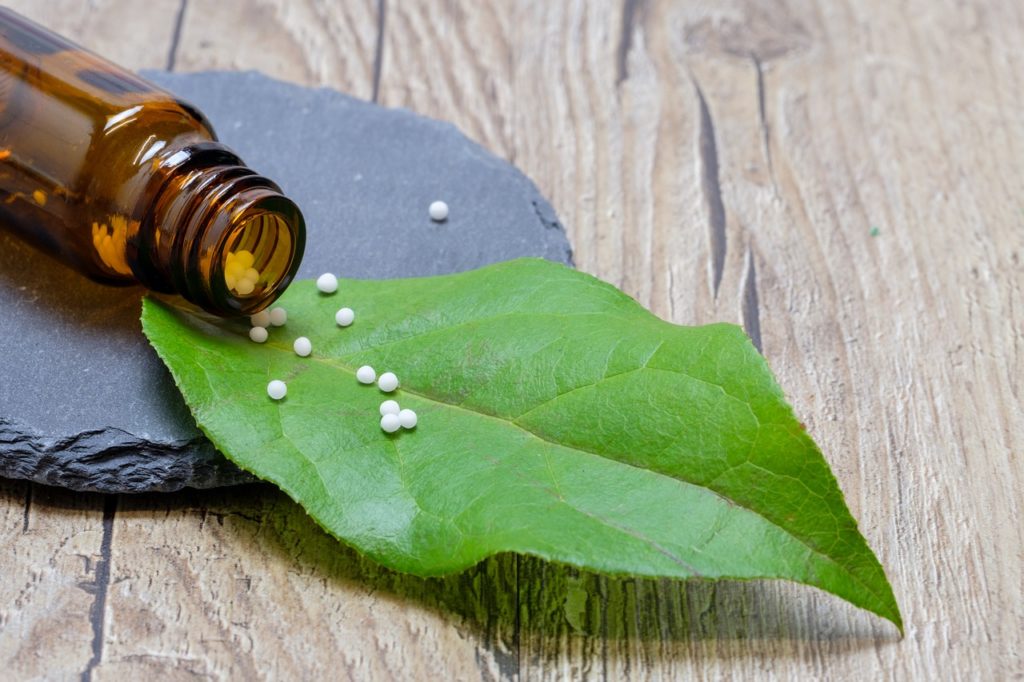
(896, 618)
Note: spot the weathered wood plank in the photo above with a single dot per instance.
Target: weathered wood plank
(241, 584)
(309, 42)
(138, 35)
(52, 581)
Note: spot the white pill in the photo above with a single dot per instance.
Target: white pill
(407, 418)
(327, 283)
(344, 317)
(389, 407)
(387, 382)
(390, 423)
(278, 316)
(258, 334)
(251, 274)
(260, 319)
(366, 374)
(243, 258)
(244, 287)
(438, 211)
(276, 389)
(302, 346)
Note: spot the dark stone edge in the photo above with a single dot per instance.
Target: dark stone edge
(110, 460)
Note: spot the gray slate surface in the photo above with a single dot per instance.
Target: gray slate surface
(86, 404)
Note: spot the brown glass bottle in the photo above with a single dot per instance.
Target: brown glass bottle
(128, 184)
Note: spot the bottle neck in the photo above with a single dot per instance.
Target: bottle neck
(215, 232)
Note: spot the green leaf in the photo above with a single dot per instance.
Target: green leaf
(557, 418)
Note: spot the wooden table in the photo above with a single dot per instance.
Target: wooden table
(842, 177)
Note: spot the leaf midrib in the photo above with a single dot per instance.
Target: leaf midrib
(341, 366)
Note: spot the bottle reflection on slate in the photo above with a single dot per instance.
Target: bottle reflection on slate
(128, 184)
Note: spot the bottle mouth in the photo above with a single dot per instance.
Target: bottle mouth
(218, 234)
(257, 255)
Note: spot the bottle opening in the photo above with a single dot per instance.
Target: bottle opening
(260, 255)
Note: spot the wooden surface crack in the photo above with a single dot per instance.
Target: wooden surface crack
(631, 10)
(28, 507)
(179, 20)
(99, 588)
(749, 302)
(378, 50)
(762, 117)
(708, 153)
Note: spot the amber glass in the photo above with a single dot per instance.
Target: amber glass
(128, 184)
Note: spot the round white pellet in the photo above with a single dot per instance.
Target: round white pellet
(366, 374)
(327, 283)
(278, 316)
(407, 418)
(243, 258)
(244, 287)
(258, 334)
(344, 317)
(276, 389)
(387, 382)
(260, 319)
(389, 407)
(389, 423)
(438, 211)
(302, 346)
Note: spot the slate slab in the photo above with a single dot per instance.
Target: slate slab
(84, 401)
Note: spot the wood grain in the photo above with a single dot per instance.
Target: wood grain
(314, 43)
(52, 571)
(138, 35)
(722, 161)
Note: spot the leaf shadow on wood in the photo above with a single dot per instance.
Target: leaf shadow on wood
(508, 602)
